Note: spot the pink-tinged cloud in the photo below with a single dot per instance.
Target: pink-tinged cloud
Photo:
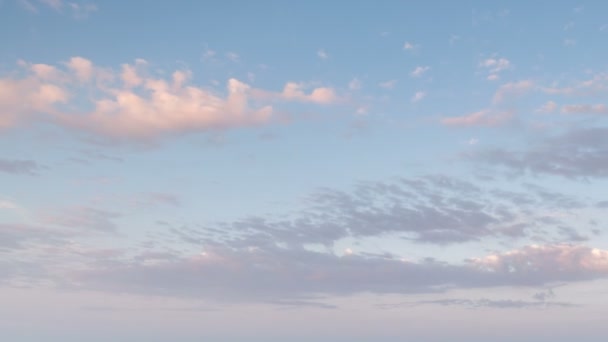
(585, 109)
(20, 99)
(168, 108)
(480, 118)
(547, 259)
(132, 104)
(512, 90)
(298, 92)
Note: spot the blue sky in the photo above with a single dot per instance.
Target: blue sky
(306, 171)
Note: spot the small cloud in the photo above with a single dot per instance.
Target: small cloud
(418, 96)
(419, 71)
(473, 141)
(493, 77)
(355, 84)
(512, 89)
(409, 46)
(19, 167)
(548, 107)
(569, 26)
(569, 42)
(585, 109)
(321, 53)
(453, 39)
(233, 57)
(495, 65)
(388, 84)
(480, 118)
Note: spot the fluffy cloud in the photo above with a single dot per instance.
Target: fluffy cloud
(132, 104)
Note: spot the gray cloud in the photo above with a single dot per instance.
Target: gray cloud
(268, 275)
(483, 303)
(579, 153)
(19, 167)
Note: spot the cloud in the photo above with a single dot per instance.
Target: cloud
(275, 274)
(19, 166)
(355, 84)
(418, 96)
(585, 109)
(83, 218)
(495, 66)
(419, 71)
(409, 46)
(483, 303)
(78, 9)
(388, 84)
(133, 105)
(513, 89)
(322, 95)
(563, 261)
(581, 152)
(321, 53)
(548, 107)
(480, 118)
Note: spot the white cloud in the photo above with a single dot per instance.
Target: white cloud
(409, 46)
(419, 71)
(418, 96)
(388, 84)
(321, 53)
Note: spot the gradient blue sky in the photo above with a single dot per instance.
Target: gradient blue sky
(303, 171)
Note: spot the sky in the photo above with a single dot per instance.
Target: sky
(303, 170)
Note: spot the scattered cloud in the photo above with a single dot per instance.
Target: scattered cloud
(495, 66)
(418, 96)
(409, 46)
(585, 109)
(419, 71)
(578, 153)
(131, 104)
(388, 84)
(548, 107)
(355, 84)
(480, 118)
(19, 166)
(511, 90)
(321, 53)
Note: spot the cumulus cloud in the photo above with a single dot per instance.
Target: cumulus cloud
(133, 104)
